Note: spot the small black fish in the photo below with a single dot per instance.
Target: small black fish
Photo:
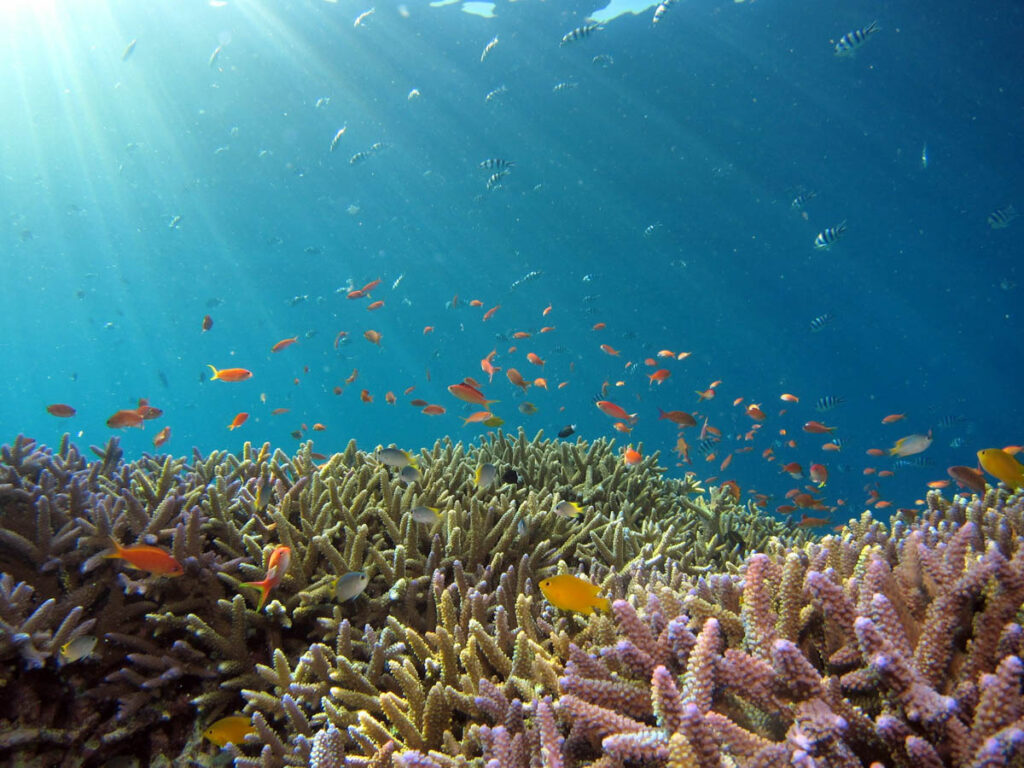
(510, 476)
(567, 430)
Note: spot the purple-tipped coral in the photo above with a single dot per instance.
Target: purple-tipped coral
(896, 646)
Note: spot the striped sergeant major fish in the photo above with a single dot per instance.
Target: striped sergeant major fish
(1002, 217)
(496, 164)
(528, 277)
(579, 33)
(359, 157)
(661, 10)
(914, 461)
(494, 182)
(828, 402)
(829, 236)
(821, 321)
(488, 48)
(851, 41)
(802, 199)
(496, 93)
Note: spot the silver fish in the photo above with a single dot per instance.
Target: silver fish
(395, 457)
(129, 50)
(351, 585)
(425, 515)
(485, 475)
(214, 56)
(409, 474)
(79, 648)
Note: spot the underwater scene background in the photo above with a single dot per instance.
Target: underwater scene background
(513, 385)
(699, 131)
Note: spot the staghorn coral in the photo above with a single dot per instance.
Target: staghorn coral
(893, 647)
(733, 640)
(450, 609)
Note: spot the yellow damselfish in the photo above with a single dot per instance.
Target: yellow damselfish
(1002, 465)
(573, 594)
(233, 728)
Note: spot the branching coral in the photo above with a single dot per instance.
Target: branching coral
(731, 641)
(902, 648)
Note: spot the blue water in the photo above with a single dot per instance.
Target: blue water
(706, 126)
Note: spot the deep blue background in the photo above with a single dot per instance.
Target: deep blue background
(707, 124)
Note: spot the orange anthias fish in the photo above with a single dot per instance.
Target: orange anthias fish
(372, 336)
(819, 474)
(631, 457)
(609, 350)
(659, 376)
(893, 417)
(968, 477)
(616, 412)
(517, 378)
(147, 411)
(284, 344)
(162, 437)
(238, 421)
(534, 358)
(571, 593)
(229, 374)
(128, 417)
(682, 418)
(146, 558)
(60, 410)
(277, 565)
(817, 428)
(469, 394)
(433, 410)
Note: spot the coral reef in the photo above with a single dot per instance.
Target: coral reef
(446, 605)
(733, 640)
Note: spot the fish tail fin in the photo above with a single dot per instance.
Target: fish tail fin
(117, 553)
(603, 603)
(264, 589)
(214, 374)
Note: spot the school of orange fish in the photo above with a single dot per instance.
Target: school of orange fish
(800, 449)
